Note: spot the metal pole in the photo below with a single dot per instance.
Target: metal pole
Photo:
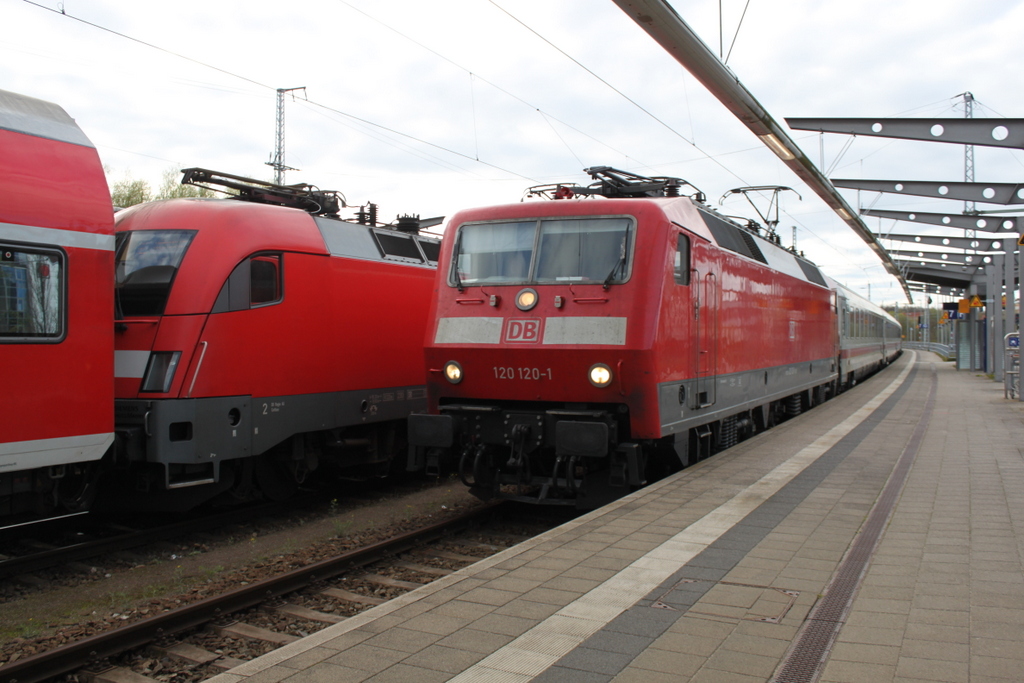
(990, 307)
(997, 316)
(972, 363)
(1008, 288)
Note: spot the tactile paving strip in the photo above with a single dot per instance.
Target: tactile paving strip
(807, 657)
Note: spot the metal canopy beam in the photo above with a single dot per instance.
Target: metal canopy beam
(933, 289)
(936, 257)
(992, 193)
(939, 279)
(668, 29)
(985, 132)
(958, 274)
(952, 220)
(975, 243)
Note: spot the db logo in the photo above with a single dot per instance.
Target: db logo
(522, 330)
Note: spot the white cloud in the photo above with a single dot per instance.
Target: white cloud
(148, 110)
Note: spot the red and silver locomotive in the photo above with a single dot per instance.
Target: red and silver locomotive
(56, 295)
(259, 339)
(578, 348)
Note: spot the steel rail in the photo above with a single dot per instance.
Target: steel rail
(72, 656)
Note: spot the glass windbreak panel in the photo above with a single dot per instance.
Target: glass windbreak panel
(494, 252)
(31, 294)
(146, 263)
(592, 250)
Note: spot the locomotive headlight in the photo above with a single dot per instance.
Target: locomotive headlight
(453, 372)
(160, 371)
(600, 375)
(526, 299)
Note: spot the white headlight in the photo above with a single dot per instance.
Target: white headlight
(600, 375)
(453, 372)
(526, 299)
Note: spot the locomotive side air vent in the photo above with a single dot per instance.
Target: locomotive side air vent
(812, 272)
(398, 246)
(732, 237)
(755, 251)
(431, 249)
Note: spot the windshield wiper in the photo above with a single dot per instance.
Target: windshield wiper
(455, 262)
(618, 264)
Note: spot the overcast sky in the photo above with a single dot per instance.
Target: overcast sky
(428, 107)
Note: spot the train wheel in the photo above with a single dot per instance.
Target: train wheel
(273, 475)
(76, 491)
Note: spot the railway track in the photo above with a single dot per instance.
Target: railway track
(275, 610)
(60, 546)
(112, 536)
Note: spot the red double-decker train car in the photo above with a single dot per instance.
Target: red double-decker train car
(56, 298)
(261, 337)
(578, 348)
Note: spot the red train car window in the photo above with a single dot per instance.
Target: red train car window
(682, 265)
(31, 294)
(265, 279)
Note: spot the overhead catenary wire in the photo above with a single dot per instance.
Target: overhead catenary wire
(547, 115)
(269, 87)
(374, 124)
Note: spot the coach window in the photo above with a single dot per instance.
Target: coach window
(682, 265)
(265, 279)
(31, 294)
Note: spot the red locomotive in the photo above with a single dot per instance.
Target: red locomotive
(56, 294)
(259, 339)
(577, 348)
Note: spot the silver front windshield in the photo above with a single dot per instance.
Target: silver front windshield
(585, 250)
(146, 263)
(495, 252)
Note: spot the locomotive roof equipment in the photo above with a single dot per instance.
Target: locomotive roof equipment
(299, 196)
(614, 183)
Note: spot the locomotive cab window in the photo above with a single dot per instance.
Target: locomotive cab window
(576, 250)
(265, 279)
(682, 264)
(31, 294)
(146, 262)
(495, 253)
(590, 250)
(255, 282)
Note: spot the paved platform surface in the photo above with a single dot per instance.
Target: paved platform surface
(745, 567)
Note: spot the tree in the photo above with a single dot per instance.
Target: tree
(129, 191)
(171, 187)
